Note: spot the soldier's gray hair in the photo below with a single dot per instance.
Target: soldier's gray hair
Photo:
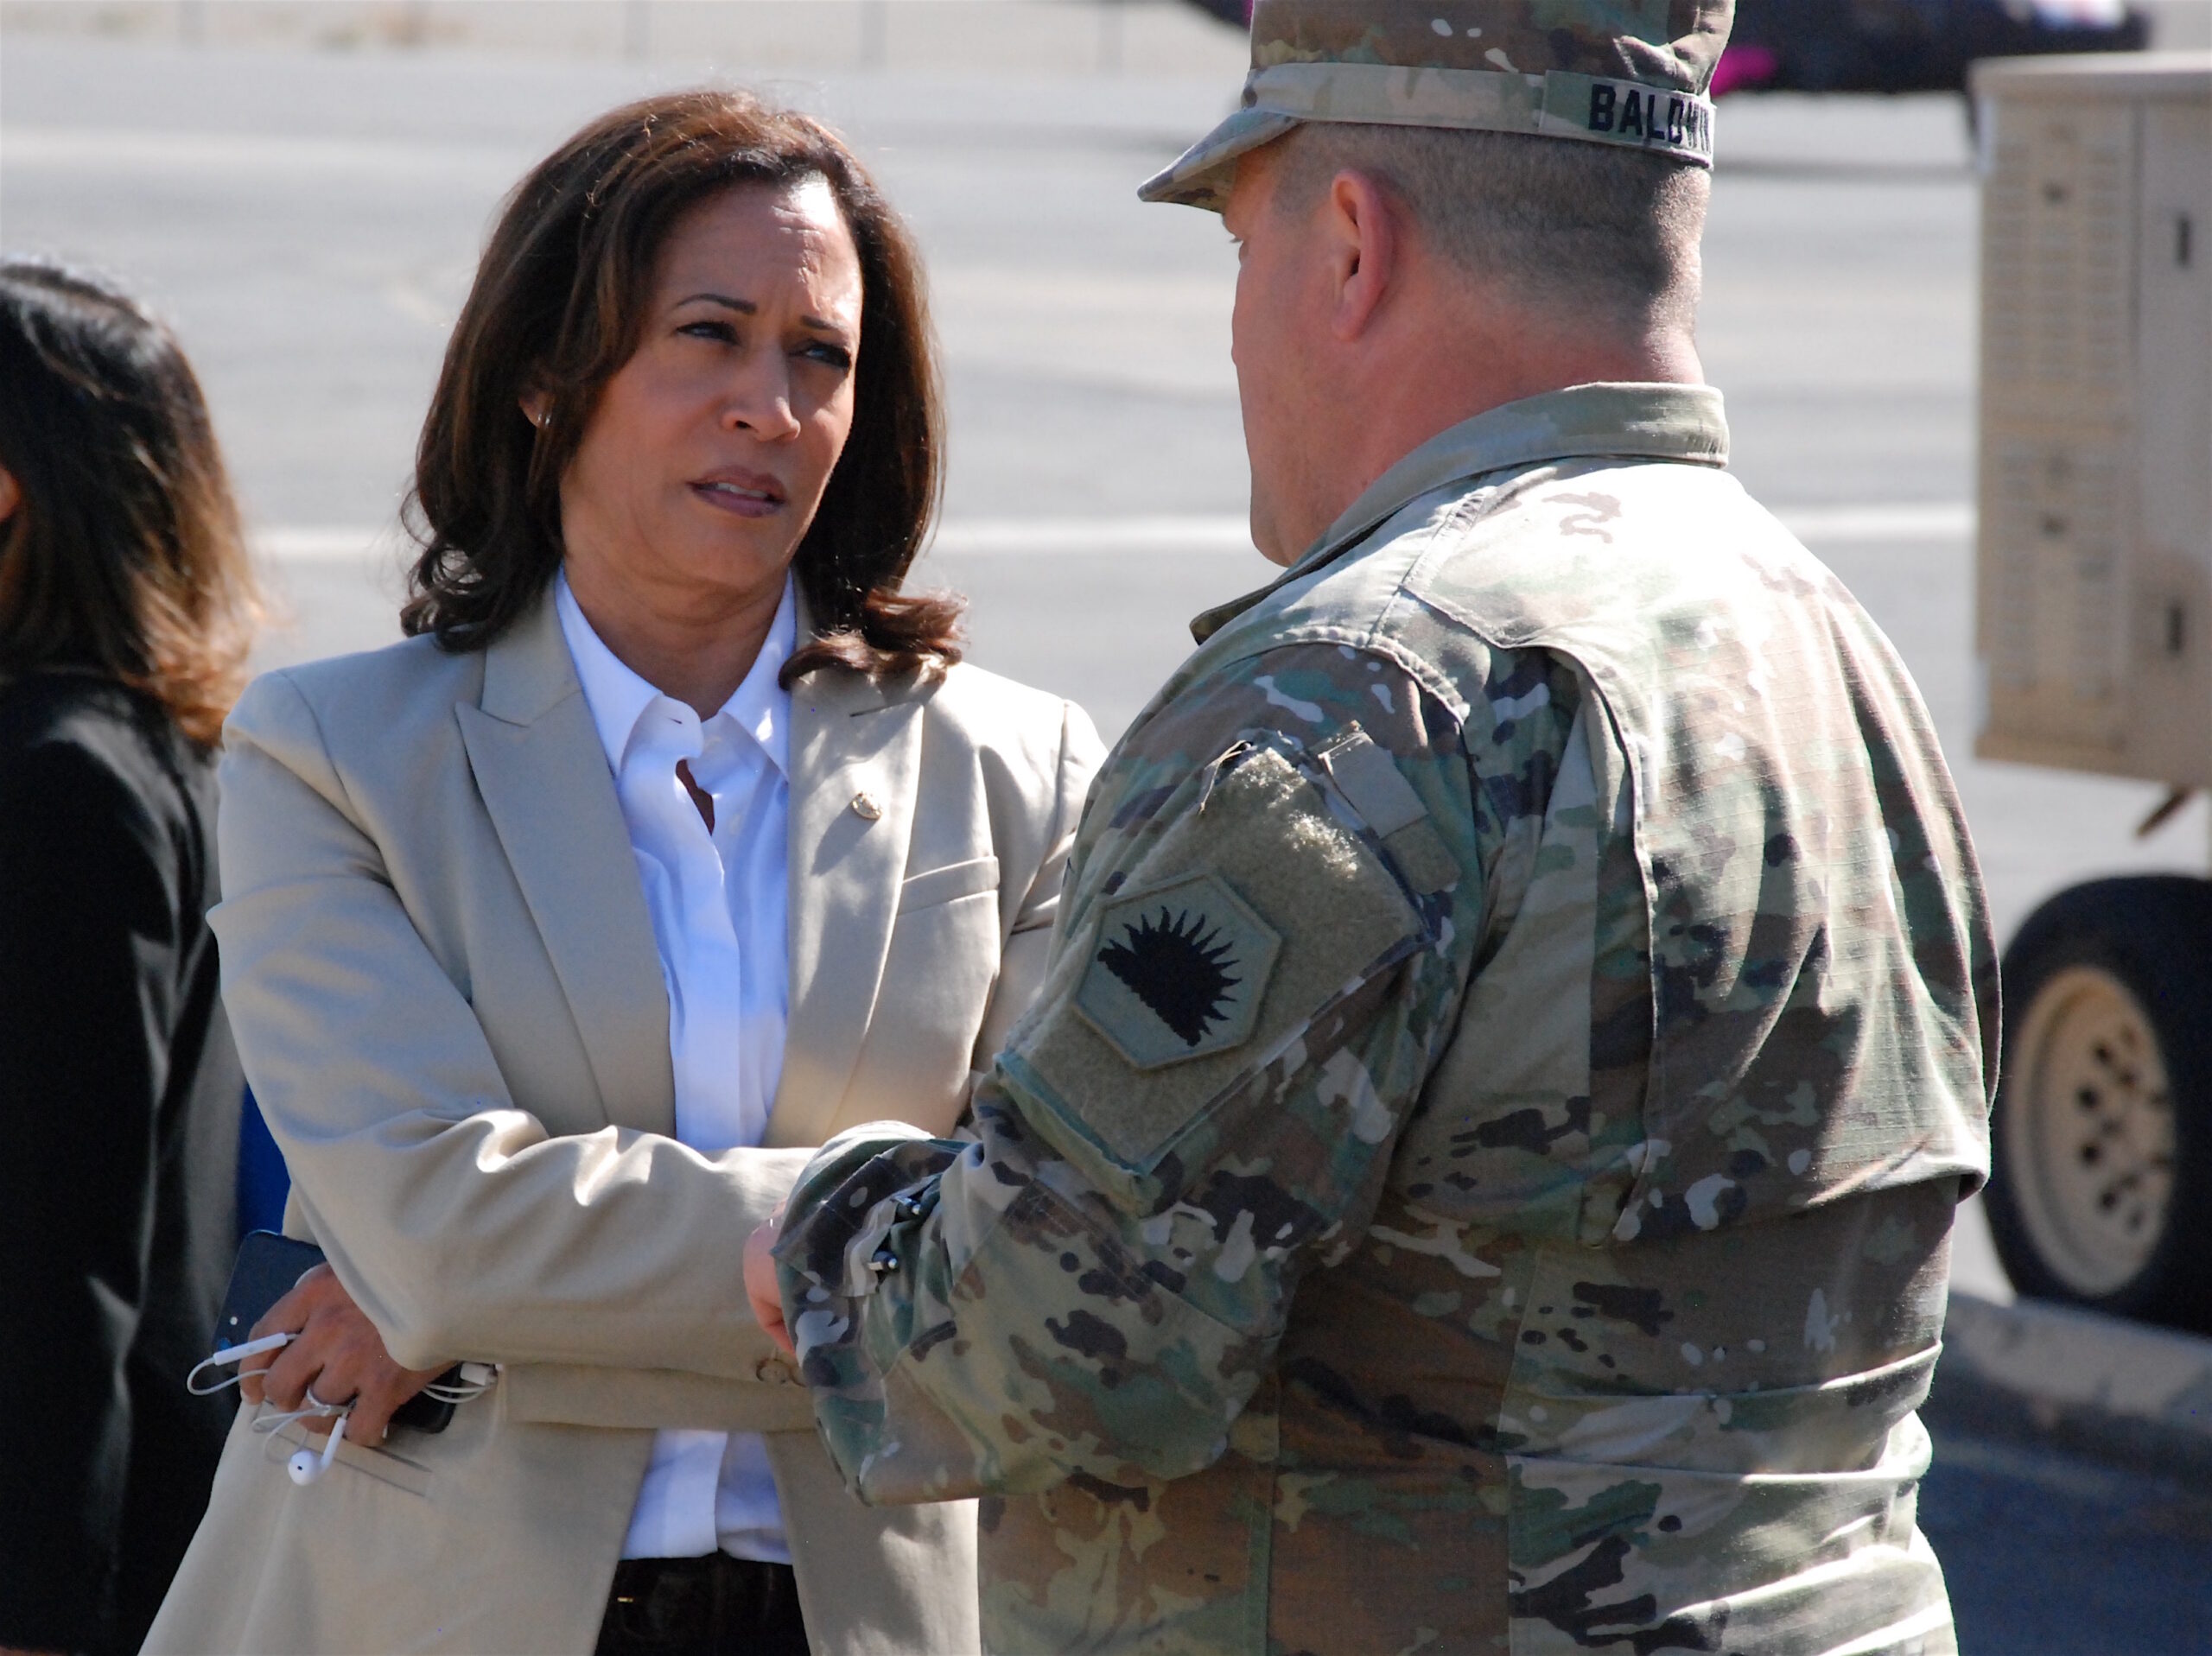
(1579, 227)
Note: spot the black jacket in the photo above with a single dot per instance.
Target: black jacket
(119, 1093)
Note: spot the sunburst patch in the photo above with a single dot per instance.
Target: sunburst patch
(1179, 967)
(1177, 972)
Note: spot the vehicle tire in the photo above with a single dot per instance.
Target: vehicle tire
(2101, 1192)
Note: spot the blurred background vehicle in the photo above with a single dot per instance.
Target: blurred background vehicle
(1884, 46)
(2095, 631)
(1905, 46)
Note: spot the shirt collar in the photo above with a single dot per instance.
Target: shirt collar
(619, 698)
(1654, 422)
(761, 706)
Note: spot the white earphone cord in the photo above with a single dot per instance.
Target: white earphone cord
(231, 1354)
(476, 1378)
(306, 1466)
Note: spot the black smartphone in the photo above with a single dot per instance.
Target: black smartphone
(269, 1264)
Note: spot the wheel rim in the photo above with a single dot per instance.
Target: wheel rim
(2088, 1135)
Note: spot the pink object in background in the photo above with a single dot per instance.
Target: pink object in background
(1745, 68)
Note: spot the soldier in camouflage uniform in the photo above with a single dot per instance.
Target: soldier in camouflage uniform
(1479, 1174)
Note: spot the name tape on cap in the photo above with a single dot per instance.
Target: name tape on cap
(1626, 112)
(1558, 103)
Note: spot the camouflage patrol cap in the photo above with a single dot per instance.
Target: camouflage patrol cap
(1619, 71)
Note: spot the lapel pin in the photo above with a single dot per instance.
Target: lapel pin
(865, 808)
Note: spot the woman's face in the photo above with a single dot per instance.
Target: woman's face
(706, 457)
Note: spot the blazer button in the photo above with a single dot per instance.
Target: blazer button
(865, 807)
(773, 1371)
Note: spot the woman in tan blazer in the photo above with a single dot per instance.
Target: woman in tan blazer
(687, 423)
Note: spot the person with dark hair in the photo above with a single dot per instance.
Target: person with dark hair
(675, 838)
(126, 611)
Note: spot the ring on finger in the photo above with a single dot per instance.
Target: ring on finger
(328, 1408)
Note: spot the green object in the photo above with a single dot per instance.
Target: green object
(1624, 72)
(1557, 1259)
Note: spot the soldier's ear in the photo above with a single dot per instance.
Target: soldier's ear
(1364, 244)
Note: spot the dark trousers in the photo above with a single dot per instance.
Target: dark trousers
(714, 1605)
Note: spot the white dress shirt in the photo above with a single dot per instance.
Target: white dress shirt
(718, 901)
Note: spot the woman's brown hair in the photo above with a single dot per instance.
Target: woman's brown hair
(123, 557)
(557, 309)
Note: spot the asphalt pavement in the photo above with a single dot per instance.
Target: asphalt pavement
(308, 217)
(2054, 1554)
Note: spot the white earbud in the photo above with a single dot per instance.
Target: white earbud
(306, 1466)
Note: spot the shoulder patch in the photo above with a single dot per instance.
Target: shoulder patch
(1177, 972)
(1252, 912)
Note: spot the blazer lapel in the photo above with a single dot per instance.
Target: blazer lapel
(856, 762)
(543, 778)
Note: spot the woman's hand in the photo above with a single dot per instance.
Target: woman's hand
(338, 1353)
(760, 1280)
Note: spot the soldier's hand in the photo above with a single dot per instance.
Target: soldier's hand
(760, 1280)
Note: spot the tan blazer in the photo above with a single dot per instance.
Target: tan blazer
(445, 985)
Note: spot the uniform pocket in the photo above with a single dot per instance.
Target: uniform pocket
(954, 880)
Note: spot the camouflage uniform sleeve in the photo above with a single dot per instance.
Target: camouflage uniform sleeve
(1280, 894)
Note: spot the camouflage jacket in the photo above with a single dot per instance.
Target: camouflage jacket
(1479, 1174)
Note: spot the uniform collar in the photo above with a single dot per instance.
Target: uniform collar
(1672, 423)
(619, 698)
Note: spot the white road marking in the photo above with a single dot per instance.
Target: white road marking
(1880, 524)
(328, 544)
(233, 155)
(1045, 536)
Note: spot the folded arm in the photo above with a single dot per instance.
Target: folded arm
(455, 1220)
(1268, 929)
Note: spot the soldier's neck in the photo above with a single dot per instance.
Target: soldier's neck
(1433, 384)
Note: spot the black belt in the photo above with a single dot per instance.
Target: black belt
(702, 1606)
